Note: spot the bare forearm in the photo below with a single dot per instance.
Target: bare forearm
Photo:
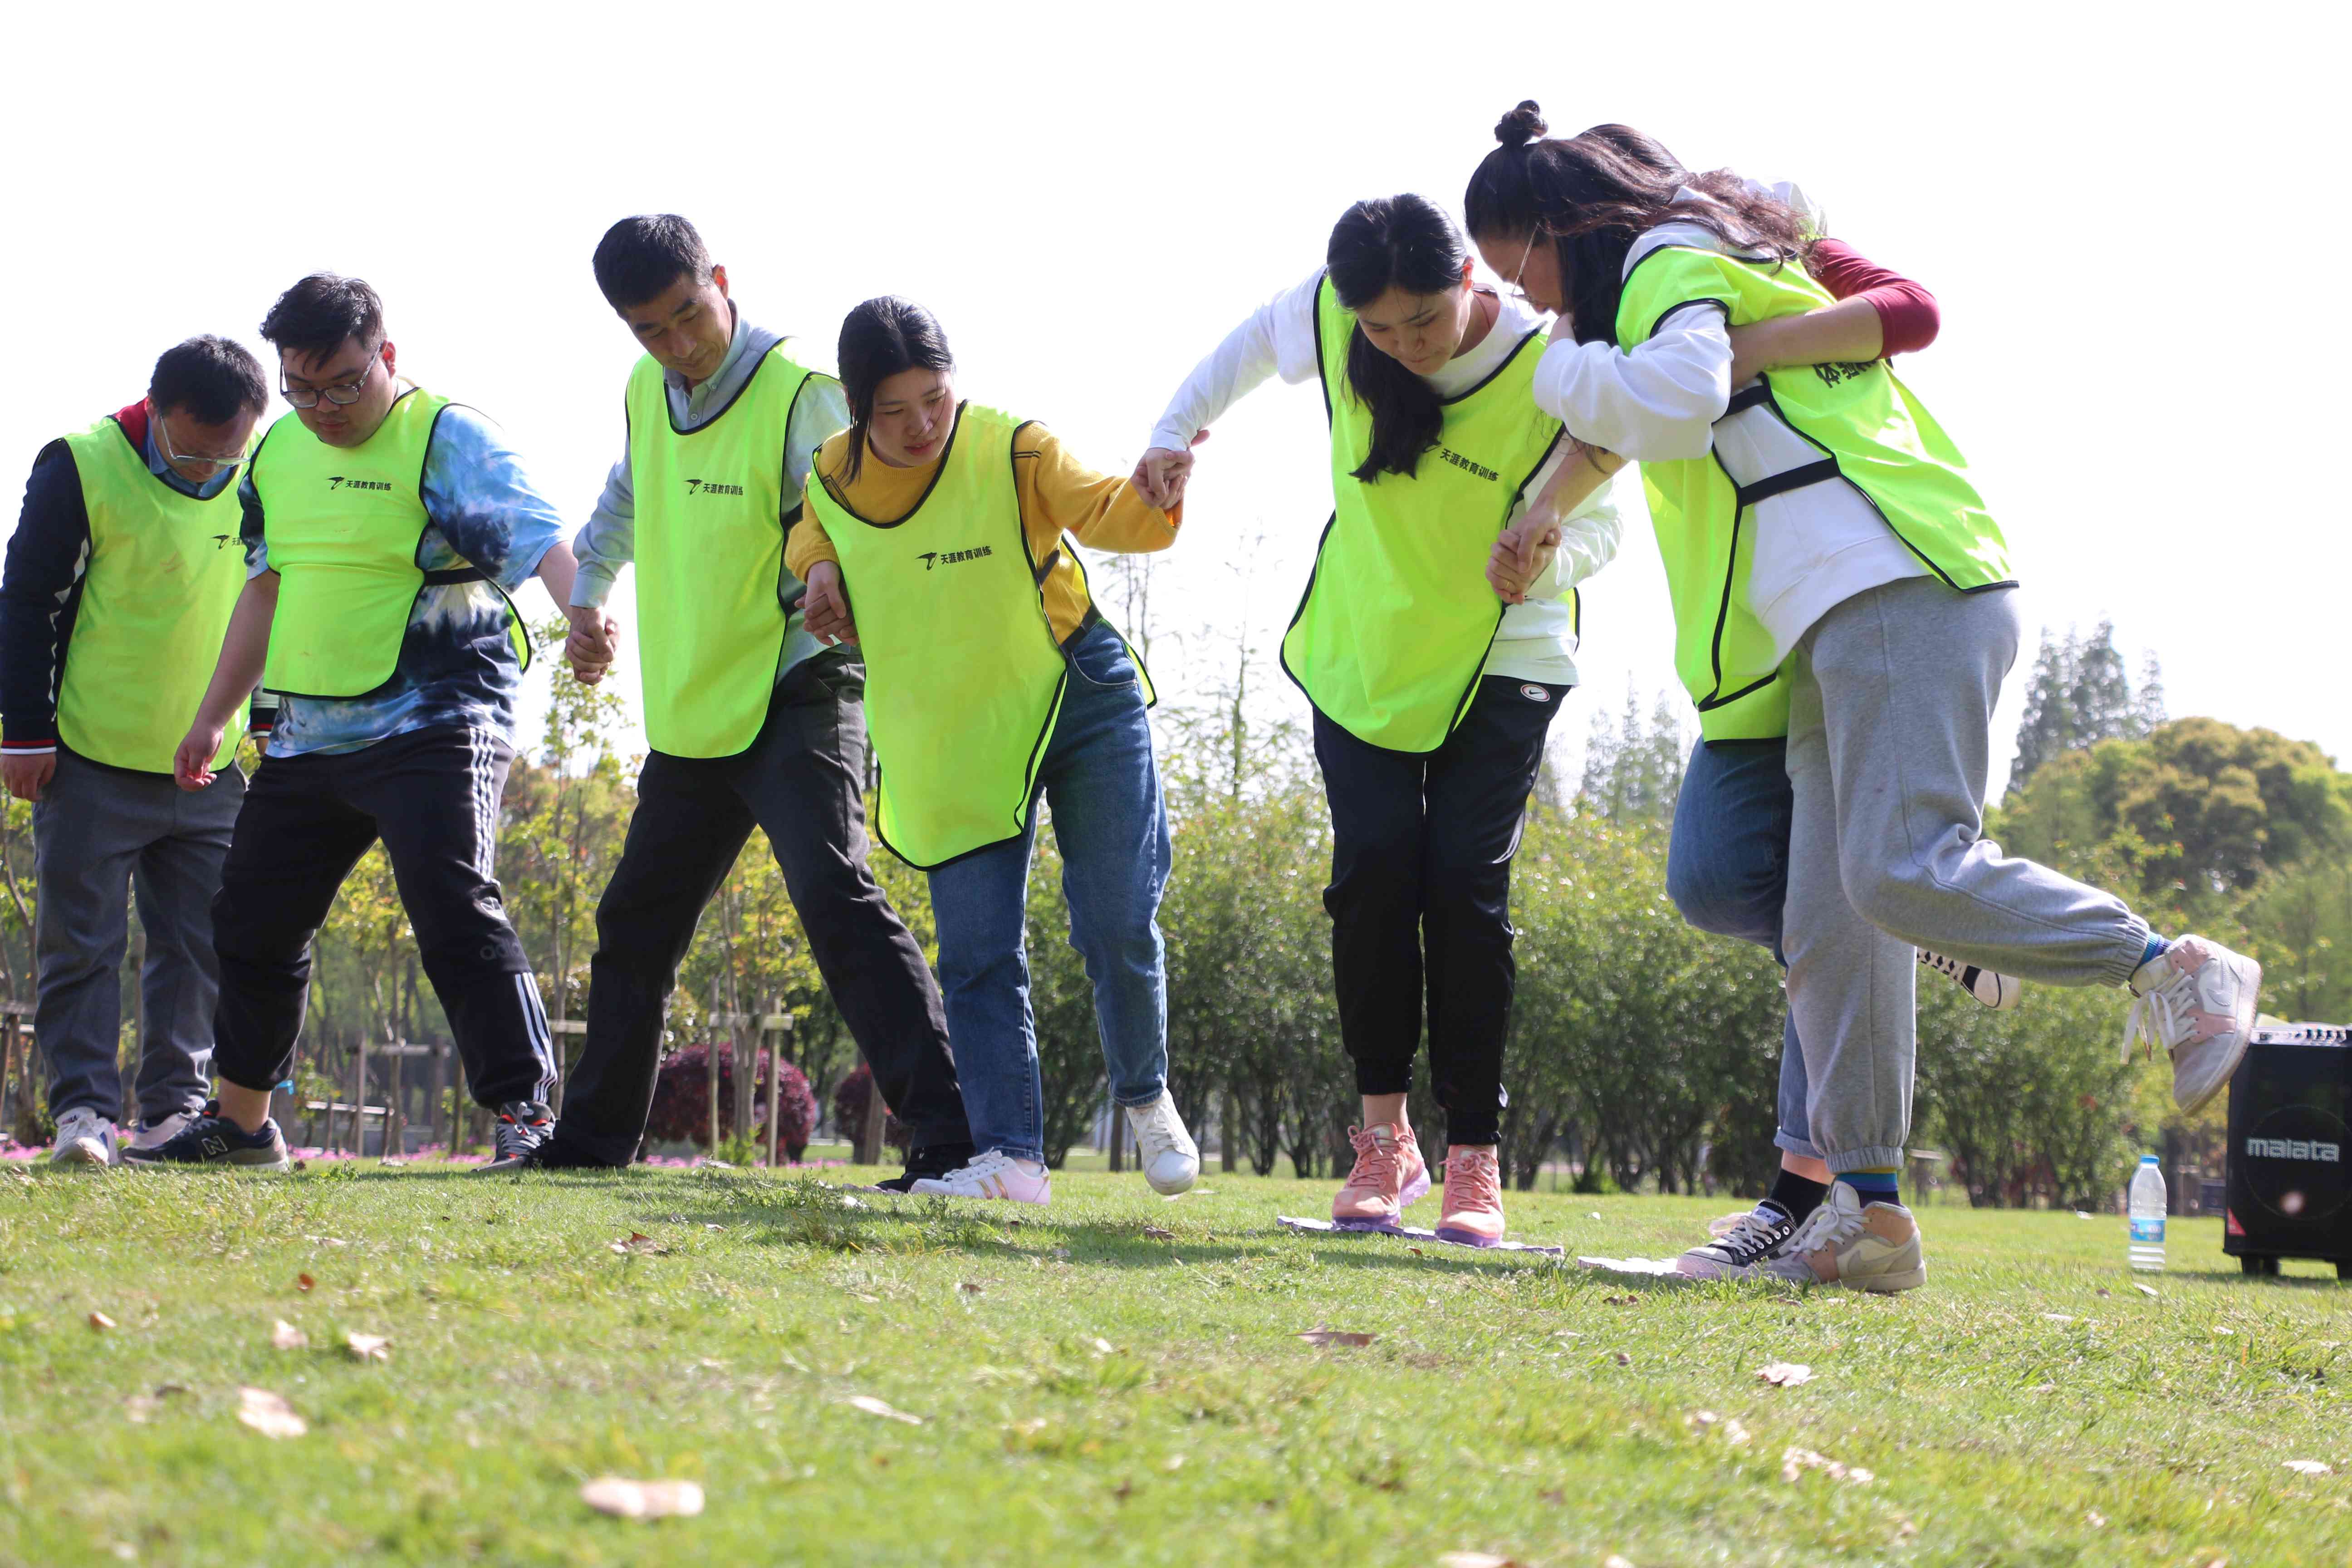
(557, 569)
(1584, 470)
(243, 651)
(1848, 333)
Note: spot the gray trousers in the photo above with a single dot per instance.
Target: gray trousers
(1890, 713)
(98, 834)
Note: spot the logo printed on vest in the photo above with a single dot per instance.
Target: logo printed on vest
(931, 558)
(1847, 370)
(221, 540)
(337, 481)
(711, 487)
(1466, 465)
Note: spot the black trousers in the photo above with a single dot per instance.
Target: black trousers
(802, 781)
(1420, 897)
(432, 795)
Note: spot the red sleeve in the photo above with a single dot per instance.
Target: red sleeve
(1907, 315)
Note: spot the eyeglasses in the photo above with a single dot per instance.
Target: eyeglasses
(172, 454)
(1516, 292)
(341, 396)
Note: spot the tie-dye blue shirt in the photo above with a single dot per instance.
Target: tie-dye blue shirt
(457, 666)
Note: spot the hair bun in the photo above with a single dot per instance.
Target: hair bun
(1521, 125)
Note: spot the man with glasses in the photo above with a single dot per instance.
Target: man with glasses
(383, 528)
(120, 581)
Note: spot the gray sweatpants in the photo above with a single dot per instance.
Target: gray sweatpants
(1891, 701)
(98, 834)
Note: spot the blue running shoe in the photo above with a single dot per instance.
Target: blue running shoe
(211, 1139)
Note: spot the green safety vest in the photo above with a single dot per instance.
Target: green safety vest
(714, 602)
(1398, 617)
(963, 676)
(164, 573)
(345, 526)
(1870, 434)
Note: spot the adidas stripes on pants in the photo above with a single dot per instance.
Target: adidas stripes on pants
(432, 796)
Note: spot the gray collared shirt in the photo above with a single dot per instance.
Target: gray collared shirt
(608, 541)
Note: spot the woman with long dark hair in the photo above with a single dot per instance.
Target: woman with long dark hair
(1825, 551)
(934, 538)
(1435, 666)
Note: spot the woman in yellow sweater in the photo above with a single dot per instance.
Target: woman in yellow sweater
(934, 539)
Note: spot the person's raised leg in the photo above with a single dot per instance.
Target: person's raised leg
(1102, 781)
(1374, 903)
(88, 830)
(688, 826)
(804, 779)
(176, 877)
(1476, 795)
(1926, 665)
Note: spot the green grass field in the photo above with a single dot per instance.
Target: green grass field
(1086, 1390)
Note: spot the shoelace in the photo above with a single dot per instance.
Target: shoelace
(1750, 1238)
(2159, 1016)
(1825, 1229)
(1151, 1131)
(1375, 1165)
(1480, 1181)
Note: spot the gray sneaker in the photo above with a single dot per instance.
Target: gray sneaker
(2197, 1000)
(212, 1139)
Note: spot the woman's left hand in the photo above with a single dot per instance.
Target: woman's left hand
(1522, 554)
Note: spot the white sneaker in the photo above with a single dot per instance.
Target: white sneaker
(84, 1138)
(1998, 991)
(2196, 999)
(1863, 1247)
(1170, 1160)
(1742, 1243)
(152, 1133)
(991, 1174)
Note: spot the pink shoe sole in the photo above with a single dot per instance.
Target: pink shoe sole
(1466, 1238)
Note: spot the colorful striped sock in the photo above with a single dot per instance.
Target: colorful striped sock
(1875, 1186)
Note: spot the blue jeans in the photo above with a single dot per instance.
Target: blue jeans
(1727, 872)
(1101, 780)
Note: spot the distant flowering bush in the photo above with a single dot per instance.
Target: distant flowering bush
(682, 1101)
(849, 1100)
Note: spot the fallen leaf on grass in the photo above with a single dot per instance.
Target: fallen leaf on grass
(1613, 1561)
(268, 1414)
(1104, 1347)
(1624, 1359)
(967, 1288)
(2144, 1289)
(1475, 1560)
(303, 1282)
(394, 1163)
(368, 1347)
(287, 1337)
(1157, 1234)
(2105, 1291)
(1795, 1462)
(2058, 1316)
(2095, 1518)
(139, 1406)
(1175, 1462)
(100, 1321)
(873, 1407)
(2310, 1468)
(1336, 1337)
(2225, 1333)
(625, 1498)
(639, 1244)
(1785, 1373)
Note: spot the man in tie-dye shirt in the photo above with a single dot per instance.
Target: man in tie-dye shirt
(418, 757)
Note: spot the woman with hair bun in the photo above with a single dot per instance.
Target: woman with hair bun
(1433, 663)
(934, 538)
(1834, 576)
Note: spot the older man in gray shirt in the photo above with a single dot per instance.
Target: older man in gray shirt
(750, 721)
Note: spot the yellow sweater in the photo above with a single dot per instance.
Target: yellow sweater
(1056, 492)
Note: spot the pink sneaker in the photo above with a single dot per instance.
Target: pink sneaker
(1389, 1178)
(1473, 1198)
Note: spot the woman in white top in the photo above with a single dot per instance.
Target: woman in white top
(1434, 662)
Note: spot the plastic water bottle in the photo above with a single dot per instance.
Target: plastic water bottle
(2147, 1216)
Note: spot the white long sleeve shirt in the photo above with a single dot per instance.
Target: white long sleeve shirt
(1537, 640)
(1660, 401)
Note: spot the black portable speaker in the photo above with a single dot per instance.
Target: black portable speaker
(2290, 1132)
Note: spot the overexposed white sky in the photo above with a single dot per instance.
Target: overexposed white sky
(2118, 209)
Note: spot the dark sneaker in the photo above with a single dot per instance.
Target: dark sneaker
(211, 1139)
(522, 1125)
(930, 1161)
(1741, 1247)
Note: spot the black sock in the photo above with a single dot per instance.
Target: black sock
(1796, 1197)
